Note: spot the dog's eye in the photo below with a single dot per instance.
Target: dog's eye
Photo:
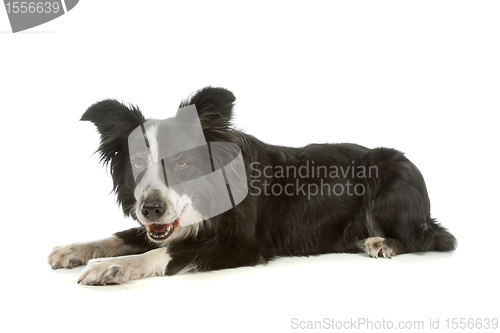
(181, 164)
(138, 163)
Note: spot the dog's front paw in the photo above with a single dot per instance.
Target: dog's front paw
(70, 256)
(101, 272)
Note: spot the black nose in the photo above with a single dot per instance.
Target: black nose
(152, 210)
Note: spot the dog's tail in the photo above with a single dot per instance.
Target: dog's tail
(442, 239)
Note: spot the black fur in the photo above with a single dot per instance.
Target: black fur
(115, 121)
(395, 204)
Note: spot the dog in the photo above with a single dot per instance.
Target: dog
(318, 199)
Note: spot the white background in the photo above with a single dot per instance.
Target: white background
(419, 76)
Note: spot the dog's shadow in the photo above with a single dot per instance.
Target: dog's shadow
(287, 266)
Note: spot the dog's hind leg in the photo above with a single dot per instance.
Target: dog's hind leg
(381, 247)
(397, 205)
(131, 241)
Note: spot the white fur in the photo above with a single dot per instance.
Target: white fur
(122, 269)
(151, 134)
(78, 254)
(184, 207)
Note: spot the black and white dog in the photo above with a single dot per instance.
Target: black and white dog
(322, 198)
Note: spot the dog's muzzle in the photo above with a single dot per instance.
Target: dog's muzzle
(158, 219)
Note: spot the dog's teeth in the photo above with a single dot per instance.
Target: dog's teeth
(156, 235)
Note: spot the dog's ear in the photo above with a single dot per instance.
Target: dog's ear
(114, 121)
(214, 105)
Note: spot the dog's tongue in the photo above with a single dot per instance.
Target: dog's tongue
(159, 228)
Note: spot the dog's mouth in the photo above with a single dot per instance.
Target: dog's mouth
(160, 232)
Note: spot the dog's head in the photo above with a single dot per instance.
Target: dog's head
(158, 166)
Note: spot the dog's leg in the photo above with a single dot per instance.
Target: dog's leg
(206, 256)
(132, 241)
(122, 269)
(381, 247)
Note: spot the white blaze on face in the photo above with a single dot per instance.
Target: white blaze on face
(152, 136)
(178, 206)
(151, 181)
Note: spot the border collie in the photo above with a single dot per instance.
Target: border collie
(321, 198)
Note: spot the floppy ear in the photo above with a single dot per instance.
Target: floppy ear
(214, 105)
(114, 121)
